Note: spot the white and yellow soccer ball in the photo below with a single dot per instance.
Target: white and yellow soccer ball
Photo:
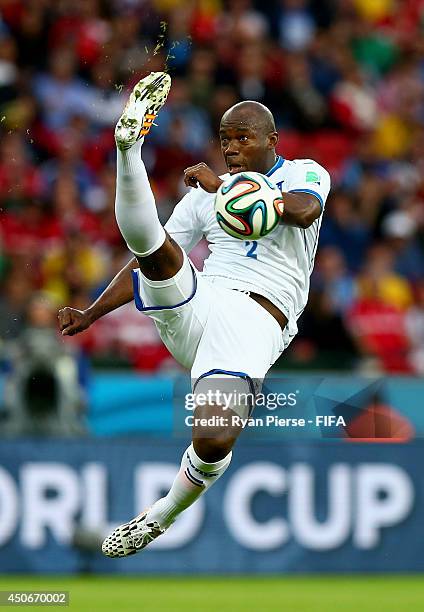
(248, 205)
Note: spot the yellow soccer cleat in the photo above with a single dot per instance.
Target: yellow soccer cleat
(144, 103)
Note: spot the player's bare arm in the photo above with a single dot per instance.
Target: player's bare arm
(201, 175)
(119, 292)
(300, 209)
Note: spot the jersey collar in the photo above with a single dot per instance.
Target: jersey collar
(279, 162)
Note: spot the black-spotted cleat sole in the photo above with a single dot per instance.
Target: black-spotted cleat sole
(130, 538)
(144, 103)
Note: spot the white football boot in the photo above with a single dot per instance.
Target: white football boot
(144, 103)
(131, 537)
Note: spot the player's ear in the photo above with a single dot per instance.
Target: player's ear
(272, 140)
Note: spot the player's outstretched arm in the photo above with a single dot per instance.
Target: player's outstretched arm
(117, 293)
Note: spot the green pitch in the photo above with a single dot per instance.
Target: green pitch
(238, 594)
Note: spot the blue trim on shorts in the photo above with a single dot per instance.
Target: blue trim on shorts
(314, 193)
(242, 375)
(280, 161)
(229, 372)
(140, 304)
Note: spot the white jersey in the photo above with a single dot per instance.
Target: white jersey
(277, 266)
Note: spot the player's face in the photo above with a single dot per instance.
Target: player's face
(246, 148)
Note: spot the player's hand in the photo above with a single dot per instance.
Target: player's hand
(73, 321)
(202, 175)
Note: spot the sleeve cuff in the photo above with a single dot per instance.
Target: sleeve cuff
(314, 193)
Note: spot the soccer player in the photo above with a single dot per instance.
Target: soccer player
(228, 323)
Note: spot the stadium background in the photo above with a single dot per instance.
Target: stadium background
(345, 81)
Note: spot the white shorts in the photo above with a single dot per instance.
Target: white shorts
(207, 328)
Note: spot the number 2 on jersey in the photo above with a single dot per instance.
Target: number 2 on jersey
(252, 251)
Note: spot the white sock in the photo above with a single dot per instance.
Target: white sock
(135, 207)
(193, 479)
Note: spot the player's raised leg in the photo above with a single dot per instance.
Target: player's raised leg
(158, 255)
(160, 260)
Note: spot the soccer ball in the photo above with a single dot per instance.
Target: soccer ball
(246, 205)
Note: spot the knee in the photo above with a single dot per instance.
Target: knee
(213, 449)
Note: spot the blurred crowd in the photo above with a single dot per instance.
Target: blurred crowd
(345, 81)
